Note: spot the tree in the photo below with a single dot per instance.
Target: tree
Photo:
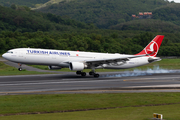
(13, 6)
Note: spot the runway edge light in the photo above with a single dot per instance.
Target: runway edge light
(157, 116)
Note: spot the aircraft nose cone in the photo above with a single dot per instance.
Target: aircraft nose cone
(4, 55)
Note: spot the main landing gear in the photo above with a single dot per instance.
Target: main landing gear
(93, 73)
(90, 73)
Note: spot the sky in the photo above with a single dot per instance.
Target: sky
(177, 1)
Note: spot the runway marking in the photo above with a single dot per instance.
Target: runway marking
(150, 79)
(69, 81)
(38, 83)
(47, 91)
(38, 75)
(170, 85)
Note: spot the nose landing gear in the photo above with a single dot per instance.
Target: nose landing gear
(20, 68)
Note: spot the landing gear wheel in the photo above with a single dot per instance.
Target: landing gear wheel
(91, 73)
(83, 74)
(20, 69)
(96, 75)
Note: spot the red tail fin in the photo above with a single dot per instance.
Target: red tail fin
(153, 47)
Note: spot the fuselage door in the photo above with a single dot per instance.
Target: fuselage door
(20, 53)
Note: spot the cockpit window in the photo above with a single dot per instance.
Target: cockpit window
(10, 52)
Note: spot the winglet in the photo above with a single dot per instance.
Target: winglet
(153, 47)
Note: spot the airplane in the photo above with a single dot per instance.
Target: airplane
(78, 61)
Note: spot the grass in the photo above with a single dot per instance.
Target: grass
(170, 112)
(9, 70)
(62, 102)
(128, 106)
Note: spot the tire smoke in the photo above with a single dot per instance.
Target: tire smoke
(138, 72)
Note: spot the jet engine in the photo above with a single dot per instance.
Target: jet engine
(76, 66)
(54, 67)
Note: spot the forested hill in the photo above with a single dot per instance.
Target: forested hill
(169, 12)
(103, 13)
(22, 19)
(28, 3)
(165, 19)
(150, 25)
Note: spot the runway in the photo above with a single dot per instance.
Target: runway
(156, 80)
(71, 83)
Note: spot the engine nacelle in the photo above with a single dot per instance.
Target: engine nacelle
(54, 67)
(76, 66)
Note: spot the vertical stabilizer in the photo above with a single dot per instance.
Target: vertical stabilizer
(153, 47)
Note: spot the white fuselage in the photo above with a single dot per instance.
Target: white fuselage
(62, 58)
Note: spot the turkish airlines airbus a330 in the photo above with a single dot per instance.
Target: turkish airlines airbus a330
(78, 61)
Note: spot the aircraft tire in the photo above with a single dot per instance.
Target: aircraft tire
(91, 73)
(83, 74)
(96, 75)
(20, 69)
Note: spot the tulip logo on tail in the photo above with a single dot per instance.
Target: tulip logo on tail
(152, 48)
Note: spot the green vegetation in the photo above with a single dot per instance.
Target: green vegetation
(103, 13)
(169, 12)
(170, 112)
(21, 27)
(29, 3)
(22, 19)
(112, 42)
(138, 105)
(50, 2)
(152, 25)
(8, 70)
(165, 19)
(167, 64)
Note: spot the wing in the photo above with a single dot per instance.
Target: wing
(98, 62)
